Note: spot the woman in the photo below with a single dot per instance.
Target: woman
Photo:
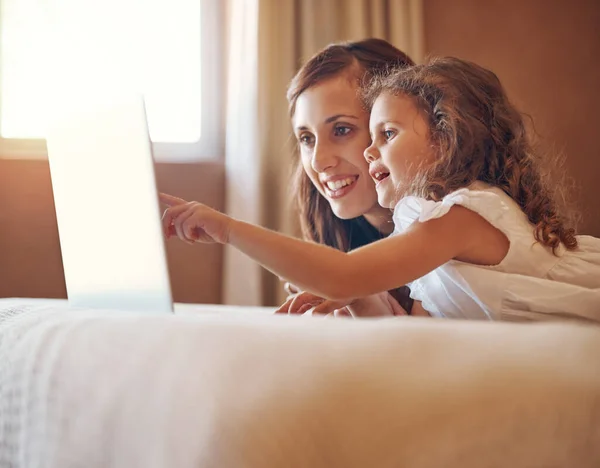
(336, 196)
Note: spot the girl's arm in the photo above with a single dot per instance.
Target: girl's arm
(337, 275)
(376, 267)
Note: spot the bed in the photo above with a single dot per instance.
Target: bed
(219, 386)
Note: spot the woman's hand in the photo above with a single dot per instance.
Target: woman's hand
(302, 302)
(193, 221)
(290, 289)
(376, 305)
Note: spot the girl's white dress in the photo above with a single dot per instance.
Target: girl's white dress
(530, 283)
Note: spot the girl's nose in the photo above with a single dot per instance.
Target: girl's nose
(371, 153)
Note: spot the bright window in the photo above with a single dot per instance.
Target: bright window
(156, 47)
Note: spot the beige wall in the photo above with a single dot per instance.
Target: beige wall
(547, 54)
(30, 262)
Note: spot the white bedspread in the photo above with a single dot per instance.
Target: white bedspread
(82, 388)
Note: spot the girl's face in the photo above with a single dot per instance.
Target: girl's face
(332, 129)
(400, 146)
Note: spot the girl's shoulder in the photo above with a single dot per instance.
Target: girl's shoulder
(490, 202)
(525, 256)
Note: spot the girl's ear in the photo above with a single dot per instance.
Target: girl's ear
(440, 119)
(438, 116)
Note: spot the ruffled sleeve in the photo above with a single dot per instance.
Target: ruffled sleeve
(487, 203)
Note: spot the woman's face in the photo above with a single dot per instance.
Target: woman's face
(332, 130)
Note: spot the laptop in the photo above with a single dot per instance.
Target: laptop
(107, 206)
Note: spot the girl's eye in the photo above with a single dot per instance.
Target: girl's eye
(341, 130)
(388, 134)
(305, 139)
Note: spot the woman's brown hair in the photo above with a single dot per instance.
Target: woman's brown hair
(364, 58)
(478, 135)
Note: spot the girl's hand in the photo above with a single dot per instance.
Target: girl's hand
(193, 221)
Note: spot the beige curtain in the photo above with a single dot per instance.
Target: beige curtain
(267, 42)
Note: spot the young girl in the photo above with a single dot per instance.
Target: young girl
(477, 232)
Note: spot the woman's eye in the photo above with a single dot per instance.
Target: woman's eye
(341, 130)
(305, 139)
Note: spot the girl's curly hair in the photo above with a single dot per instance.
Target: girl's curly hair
(478, 135)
